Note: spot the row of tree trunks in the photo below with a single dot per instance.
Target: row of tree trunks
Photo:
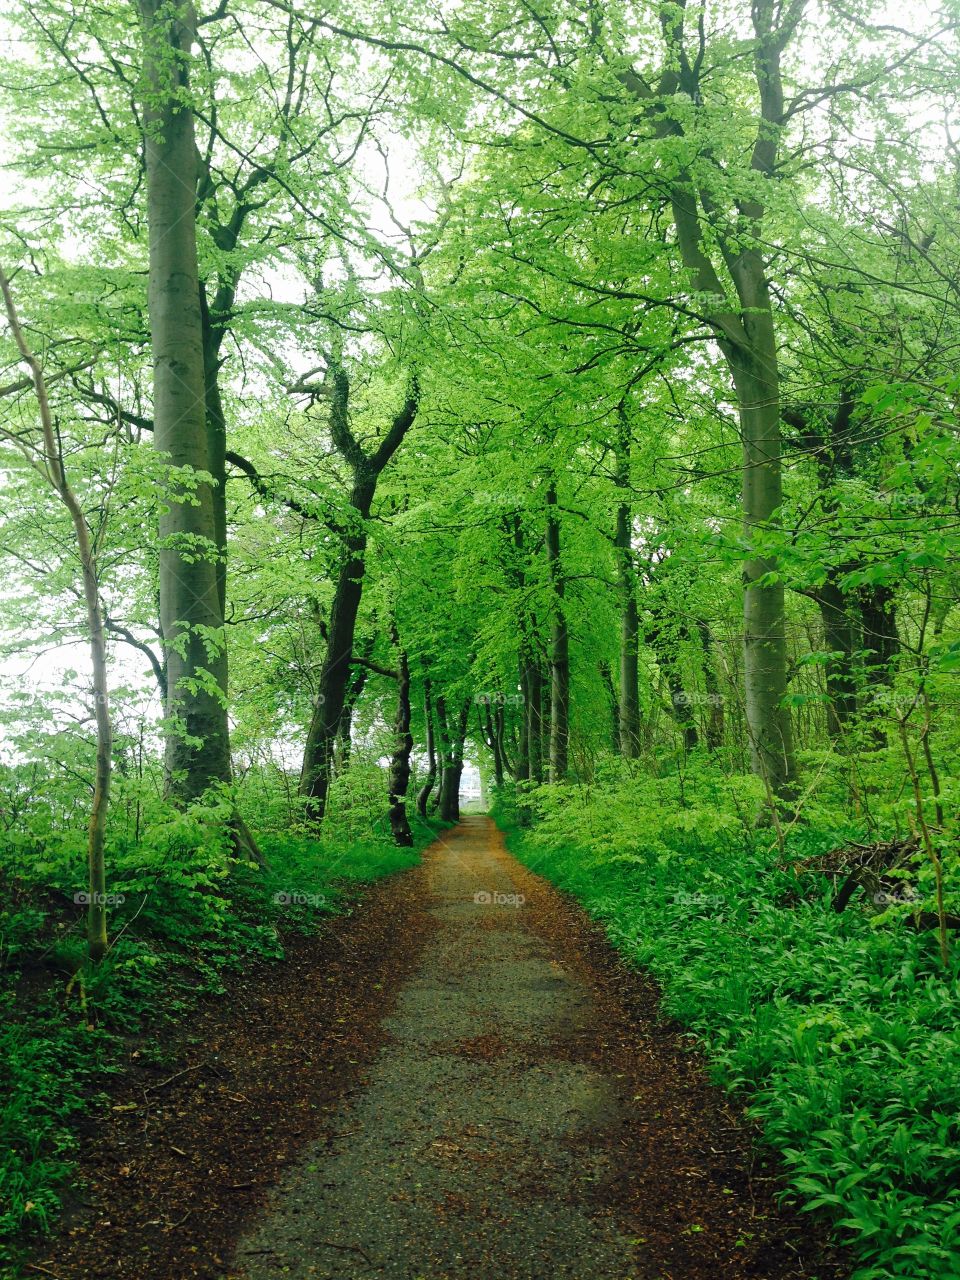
(452, 732)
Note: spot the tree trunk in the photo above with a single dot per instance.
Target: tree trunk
(534, 717)
(316, 774)
(559, 650)
(492, 729)
(443, 754)
(880, 638)
(344, 743)
(366, 468)
(714, 697)
(841, 637)
(400, 762)
(629, 705)
(764, 619)
(423, 795)
(216, 439)
(453, 768)
(53, 469)
(881, 644)
(665, 637)
(606, 676)
(191, 615)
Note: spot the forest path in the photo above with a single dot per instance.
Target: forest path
(516, 1121)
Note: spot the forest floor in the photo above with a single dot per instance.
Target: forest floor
(460, 1079)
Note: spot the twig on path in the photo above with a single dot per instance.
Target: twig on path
(176, 1076)
(35, 1266)
(349, 1248)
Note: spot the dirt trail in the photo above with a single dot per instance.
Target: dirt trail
(528, 1116)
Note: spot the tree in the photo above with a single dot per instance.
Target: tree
(46, 457)
(191, 607)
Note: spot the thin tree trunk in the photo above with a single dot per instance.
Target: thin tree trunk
(52, 469)
(358, 680)
(444, 755)
(423, 795)
(629, 704)
(492, 735)
(453, 768)
(665, 644)
(840, 636)
(606, 675)
(559, 650)
(317, 771)
(400, 762)
(714, 697)
(534, 718)
(521, 772)
(764, 618)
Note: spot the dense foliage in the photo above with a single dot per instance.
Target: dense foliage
(564, 391)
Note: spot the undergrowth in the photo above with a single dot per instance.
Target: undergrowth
(184, 913)
(840, 1028)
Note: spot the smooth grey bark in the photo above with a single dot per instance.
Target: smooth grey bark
(197, 749)
(745, 332)
(559, 649)
(764, 613)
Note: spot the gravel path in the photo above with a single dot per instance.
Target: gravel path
(518, 1123)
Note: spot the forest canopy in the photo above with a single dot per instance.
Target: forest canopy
(563, 392)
